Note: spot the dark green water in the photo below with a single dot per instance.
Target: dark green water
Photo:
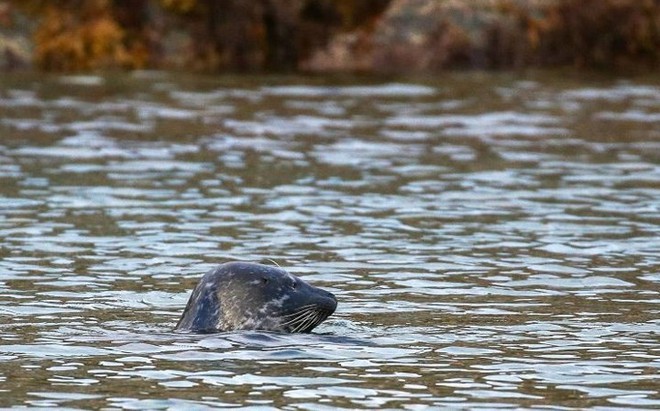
(494, 241)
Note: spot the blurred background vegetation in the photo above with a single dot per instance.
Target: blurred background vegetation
(328, 35)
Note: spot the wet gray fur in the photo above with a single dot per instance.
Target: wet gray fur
(249, 296)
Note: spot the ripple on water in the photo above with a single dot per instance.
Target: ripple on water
(496, 249)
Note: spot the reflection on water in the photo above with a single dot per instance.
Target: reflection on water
(492, 242)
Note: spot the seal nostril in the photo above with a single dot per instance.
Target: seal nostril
(330, 303)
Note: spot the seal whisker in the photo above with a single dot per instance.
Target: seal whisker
(303, 325)
(297, 314)
(300, 317)
(300, 310)
(320, 317)
(303, 321)
(293, 316)
(308, 321)
(299, 327)
(295, 327)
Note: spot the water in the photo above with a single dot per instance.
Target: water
(493, 240)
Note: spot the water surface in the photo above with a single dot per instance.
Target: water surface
(493, 240)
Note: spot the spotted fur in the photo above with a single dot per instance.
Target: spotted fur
(248, 296)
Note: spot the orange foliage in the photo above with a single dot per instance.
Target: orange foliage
(202, 34)
(81, 35)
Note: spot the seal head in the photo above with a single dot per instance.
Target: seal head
(249, 296)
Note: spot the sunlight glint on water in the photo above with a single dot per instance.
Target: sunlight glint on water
(493, 242)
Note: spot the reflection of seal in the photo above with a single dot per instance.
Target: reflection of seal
(248, 296)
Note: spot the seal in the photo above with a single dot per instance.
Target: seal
(249, 296)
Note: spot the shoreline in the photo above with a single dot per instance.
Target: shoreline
(378, 37)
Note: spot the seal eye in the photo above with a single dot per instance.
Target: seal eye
(264, 280)
(294, 284)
